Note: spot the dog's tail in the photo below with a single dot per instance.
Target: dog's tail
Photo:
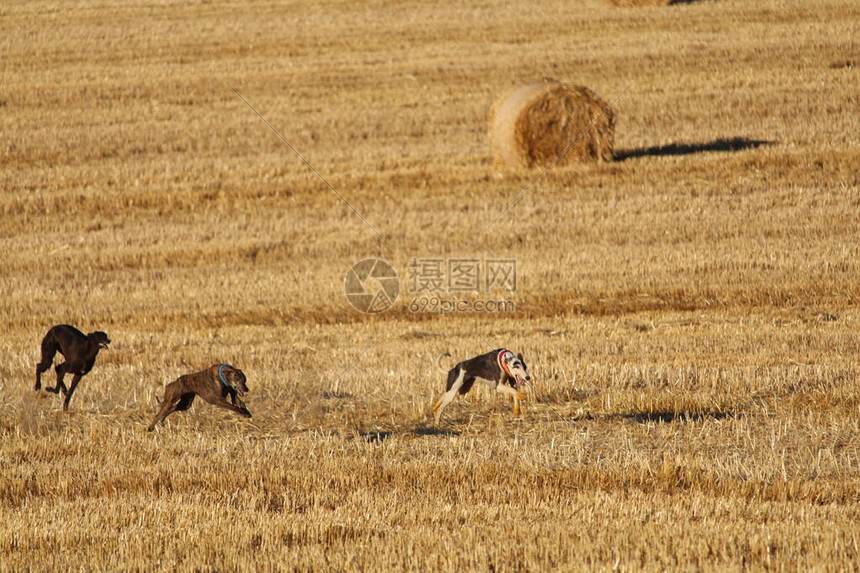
(439, 362)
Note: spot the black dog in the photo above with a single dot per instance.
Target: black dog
(80, 352)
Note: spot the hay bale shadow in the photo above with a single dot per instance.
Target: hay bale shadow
(722, 145)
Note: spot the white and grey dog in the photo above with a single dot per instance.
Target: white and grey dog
(500, 369)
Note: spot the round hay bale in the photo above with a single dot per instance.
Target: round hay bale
(533, 124)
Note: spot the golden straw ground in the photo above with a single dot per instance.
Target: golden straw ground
(690, 311)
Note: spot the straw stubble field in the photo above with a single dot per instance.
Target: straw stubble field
(689, 311)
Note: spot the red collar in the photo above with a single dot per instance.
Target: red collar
(503, 363)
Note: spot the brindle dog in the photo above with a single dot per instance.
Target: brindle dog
(80, 352)
(215, 385)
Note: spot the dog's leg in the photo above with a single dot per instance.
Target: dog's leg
(515, 402)
(72, 386)
(167, 407)
(61, 386)
(234, 397)
(184, 402)
(449, 396)
(241, 410)
(505, 389)
(49, 350)
(171, 404)
(513, 393)
(40, 367)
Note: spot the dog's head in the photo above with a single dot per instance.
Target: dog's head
(235, 378)
(99, 338)
(518, 369)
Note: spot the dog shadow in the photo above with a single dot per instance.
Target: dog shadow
(670, 417)
(334, 395)
(375, 437)
(721, 145)
(428, 431)
(380, 436)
